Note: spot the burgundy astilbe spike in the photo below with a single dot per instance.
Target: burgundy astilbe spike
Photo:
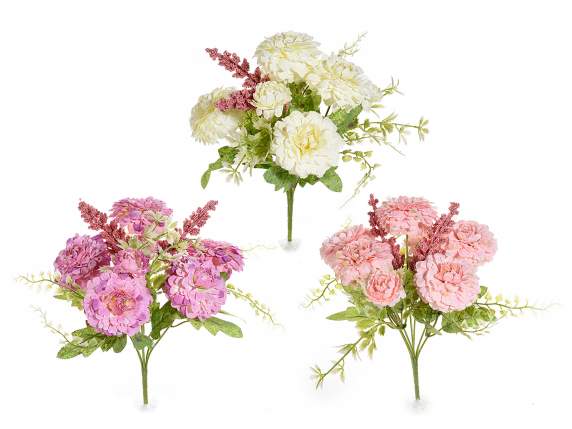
(198, 219)
(93, 217)
(379, 231)
(435, 238)
(111, 233)
(241, 99)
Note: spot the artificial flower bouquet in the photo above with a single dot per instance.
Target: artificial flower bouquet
(413, 272)
(140, 276)
(298, 113)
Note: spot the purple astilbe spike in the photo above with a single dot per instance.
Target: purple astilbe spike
(435, 238)
(241, 99)
(378, 231)
(198, 219)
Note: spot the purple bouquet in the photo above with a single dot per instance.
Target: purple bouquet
(140, 276)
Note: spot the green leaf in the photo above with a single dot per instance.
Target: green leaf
(107, 343)
(309, 180)
(215, 325)
(350, 313)
(483, 291)
(197, 324)
(332, 180)
(430, 330)
(227, 154)
(345, 120)
(69, 351)
(120, 343)
(303, 98)
(141, 341)
(162, 318)
(280, 178)
(217, 165)
(87, 332)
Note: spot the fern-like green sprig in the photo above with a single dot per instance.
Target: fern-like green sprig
(259, 308)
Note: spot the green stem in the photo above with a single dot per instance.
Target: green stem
(415, 368)
(144, 381)
(290, 199)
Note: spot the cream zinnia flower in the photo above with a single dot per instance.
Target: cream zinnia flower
(287, 57)
(342, 84)
(208, 123)
(306, 143)
(270, 98)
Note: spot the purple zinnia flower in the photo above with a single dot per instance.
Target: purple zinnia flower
(131, 261)
(195, 288)
(224, 256)
(138, 213)
(81, 259)
(116, 304)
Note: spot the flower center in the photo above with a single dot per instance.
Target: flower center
(450, 273)
(307, 139)
(120, 302)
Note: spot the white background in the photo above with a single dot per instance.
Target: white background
(94, 104)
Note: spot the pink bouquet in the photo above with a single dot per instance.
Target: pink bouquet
(412, 271)
(140, 269)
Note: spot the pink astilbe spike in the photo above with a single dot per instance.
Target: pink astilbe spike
(435, 238)
(111, 233)
(193, 225)
(378, 230)
(241, 99)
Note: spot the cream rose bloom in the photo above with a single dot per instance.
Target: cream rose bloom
(270, 98)
(287, 57)
(208, 123)
(306, 143)
(342, 84)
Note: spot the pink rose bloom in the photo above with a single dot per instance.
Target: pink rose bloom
(472, 242)
(406, 215)
(81, 259)
(195, 288)
(138, 213)
(131, 261)
(224, 256)
(446, 284)
(116, 305)
(384, 288)
(356, 260)
(335, 243)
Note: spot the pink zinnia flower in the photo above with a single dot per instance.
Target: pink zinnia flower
(138, 213)
(335, 243)
(81, 259)
(116, 305)
(384, 288)
(355, 260)
(406, 216)
(195, 288)
(224, 256)
(131, 261)
(445, 283)
(472, 242)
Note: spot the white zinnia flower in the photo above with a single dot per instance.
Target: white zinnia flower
(270, 98)
(342, 84)
(306, 143)
(210, 124)
(287, 56)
